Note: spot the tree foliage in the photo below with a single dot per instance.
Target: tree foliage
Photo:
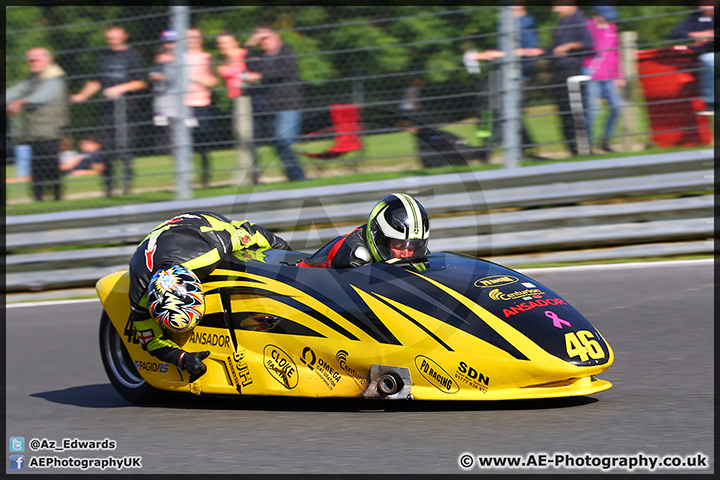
(332, 42)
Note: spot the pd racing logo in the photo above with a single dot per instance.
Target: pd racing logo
(435, 374)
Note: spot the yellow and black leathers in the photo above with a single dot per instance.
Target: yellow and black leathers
(198, 241)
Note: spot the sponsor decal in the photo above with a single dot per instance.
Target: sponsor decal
(557, 321)
(321, 367)
(435, 374)
(495, 281)
(280, 366)
(145, 336)
(239, 370)
(470, 376)
(213, 339)
(341, 357)
(496, 294)
(525, 306)
(152, 366)
(528, 285)
(245, 239)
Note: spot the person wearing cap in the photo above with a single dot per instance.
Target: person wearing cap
(604, 69)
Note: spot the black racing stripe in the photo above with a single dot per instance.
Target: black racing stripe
(365, 324)
(418, 324)
(285, 326)
(435, 295)
(291, 302)
(228, 278)
(238, 290)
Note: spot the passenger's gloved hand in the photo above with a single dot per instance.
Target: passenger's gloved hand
(193, 363)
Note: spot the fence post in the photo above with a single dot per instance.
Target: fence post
(510, 93)
(628, 58)
(182, 138)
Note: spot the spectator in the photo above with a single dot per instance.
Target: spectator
(232, 70)
(570, 39)
(42, 97)
(528, 42)
(120, 72)
(198, 97)
(277, 69)
(88, 162)
(164, 90)
(604, 69)
(700, 27)
(66, 150)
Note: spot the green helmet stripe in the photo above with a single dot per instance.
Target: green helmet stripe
(368, 235)
(411, 205)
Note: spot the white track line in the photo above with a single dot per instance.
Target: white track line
(51, 302)
(615, 266)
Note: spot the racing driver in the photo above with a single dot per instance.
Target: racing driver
(165, 275)
(397, 228)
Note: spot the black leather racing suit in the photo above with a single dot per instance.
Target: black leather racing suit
(198, 241)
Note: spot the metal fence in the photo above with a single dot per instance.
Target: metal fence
(381, 81)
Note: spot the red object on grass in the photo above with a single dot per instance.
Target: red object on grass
(672, 93)
(346, 121)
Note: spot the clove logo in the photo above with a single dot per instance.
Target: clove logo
(280, 366)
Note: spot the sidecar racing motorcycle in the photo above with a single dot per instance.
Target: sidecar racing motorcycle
(459, 328)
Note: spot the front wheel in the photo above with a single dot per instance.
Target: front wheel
(120, 368)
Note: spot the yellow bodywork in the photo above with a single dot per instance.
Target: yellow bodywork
(268, 363)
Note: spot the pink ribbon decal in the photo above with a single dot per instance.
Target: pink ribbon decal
(557, 321)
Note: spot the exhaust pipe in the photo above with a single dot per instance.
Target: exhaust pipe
(389, 384)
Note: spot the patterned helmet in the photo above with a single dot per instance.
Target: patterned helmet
(398, 227)
(176, 299)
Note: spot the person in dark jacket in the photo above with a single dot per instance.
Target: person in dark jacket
(166, 270)
(398, 228)
(276, 68)
(120, 74)
(699, 26)
(571, 42)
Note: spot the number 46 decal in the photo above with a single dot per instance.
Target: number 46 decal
(581, 344)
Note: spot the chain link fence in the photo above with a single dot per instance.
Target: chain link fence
(176, 102)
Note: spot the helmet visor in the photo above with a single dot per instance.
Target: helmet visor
(406, 248)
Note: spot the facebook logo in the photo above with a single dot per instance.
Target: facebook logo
(17, 462)
(17, 444)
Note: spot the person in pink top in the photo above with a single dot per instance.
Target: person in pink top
(201, 79)
(233, 70)
(604, 69)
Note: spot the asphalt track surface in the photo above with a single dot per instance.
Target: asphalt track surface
(657, 317)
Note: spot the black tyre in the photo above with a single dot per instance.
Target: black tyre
(120, 368)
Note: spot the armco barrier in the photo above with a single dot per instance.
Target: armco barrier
(466, 216)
